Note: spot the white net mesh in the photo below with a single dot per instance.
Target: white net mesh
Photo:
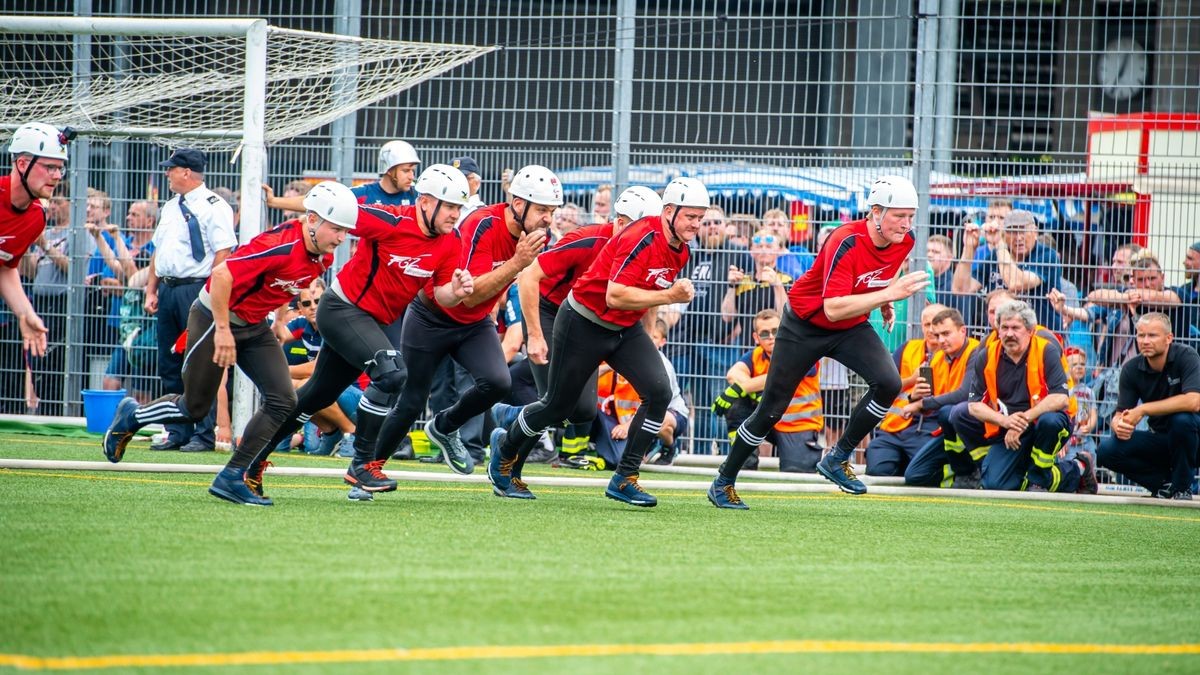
(170, 88)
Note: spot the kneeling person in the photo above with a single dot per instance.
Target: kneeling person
(1018, 403)
(1161, 384)
(227, 325)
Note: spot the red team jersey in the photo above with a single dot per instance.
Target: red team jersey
(394, 260)
(486, 244)
(18, 229)
(270, 270)
(639, 257)
(848, 264)
(569, 258)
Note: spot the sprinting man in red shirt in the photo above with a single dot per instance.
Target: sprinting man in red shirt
(601, 320)
(228, 325)
(39, 158)
(855, 271)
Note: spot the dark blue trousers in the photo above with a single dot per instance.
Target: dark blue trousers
(1154, 460)
(174, 303)
(1005, 469)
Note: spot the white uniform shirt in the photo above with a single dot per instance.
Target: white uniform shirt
(173, 242)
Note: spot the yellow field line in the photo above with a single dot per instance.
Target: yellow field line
(919, 499)
(24, 662)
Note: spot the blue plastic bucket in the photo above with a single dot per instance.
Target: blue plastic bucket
(99, 406)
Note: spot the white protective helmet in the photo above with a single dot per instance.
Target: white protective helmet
(40, 140)
(686, 192)
(638, 202)
(538, 185)
(893, 192)
(333, 202)
(396, 152)
(444, 183)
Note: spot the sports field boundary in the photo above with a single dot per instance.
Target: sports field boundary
(803, 484)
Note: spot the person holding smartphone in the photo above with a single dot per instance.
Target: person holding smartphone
(901, 435)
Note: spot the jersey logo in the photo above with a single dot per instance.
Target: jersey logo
(213, 199)
(658, 276)
(410, 265)
(288, 285)
(872, 280)
(1172, 381)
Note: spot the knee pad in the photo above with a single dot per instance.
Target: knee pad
(387, 372)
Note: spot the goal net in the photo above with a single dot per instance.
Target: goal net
(173, 85)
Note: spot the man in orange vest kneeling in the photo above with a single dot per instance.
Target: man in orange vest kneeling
(1017, 406)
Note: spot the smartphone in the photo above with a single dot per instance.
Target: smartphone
(926, 373)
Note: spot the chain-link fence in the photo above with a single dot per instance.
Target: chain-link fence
(1083, 114)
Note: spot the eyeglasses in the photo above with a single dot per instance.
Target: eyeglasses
(763, 240)
(310, 303)
(712, 222)
(768, 334)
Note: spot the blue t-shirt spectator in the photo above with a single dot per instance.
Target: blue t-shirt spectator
(1042, 261)
(305, 344)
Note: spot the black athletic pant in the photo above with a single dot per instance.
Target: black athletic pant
(585, 407)
(798, 346)
(350, 340)
(580, 346)
(258, 355)
(428, 337)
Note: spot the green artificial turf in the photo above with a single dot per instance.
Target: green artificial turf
(98, 563)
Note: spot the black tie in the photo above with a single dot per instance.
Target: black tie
(193, 231)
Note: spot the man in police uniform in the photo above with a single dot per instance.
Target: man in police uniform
(194, 234)
(1018, 404)
(1161, 384)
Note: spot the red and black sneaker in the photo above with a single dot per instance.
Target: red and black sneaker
(369, 477)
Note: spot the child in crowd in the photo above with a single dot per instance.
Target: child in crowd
(1086, 413)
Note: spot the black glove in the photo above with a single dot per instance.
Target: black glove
(726, 399)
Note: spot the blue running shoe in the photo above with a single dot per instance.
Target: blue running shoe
(499, 471)
(723, 496)
(626, 489)
(454, 453)
(504, 414)
(841, 475)
(230, 485)
(119, 433)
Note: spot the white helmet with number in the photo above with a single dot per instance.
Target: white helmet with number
(333, 202)
(686, 192)
(893, 192)
(40, 140)
(444, 183)
(538, 185)
(638, 202)
(396, 152)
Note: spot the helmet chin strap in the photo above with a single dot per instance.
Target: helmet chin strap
(428, 221)
(671, 226)
(25, 176)
(520, 218)
(877, 220)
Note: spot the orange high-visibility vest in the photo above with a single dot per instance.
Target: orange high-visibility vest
(805, 412)
(625, 399)
(1035, 377)
(948, 376)
(910, 359)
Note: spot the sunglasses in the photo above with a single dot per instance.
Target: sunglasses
(768, 334)
(309, 303)
(763, 240)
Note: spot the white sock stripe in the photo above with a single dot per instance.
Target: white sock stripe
(652, 427)
(304, 418)
(371, 408)
(525, 429)
(750, 438)
(159, 413)
(876, 409)
(188, 355)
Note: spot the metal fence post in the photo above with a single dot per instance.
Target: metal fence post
(923, 125)
(623, 93)
(347, 21)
